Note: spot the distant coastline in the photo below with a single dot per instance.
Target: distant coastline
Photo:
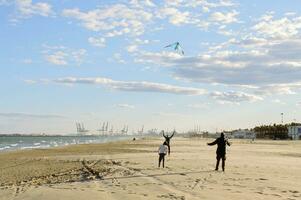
(42, 135)
(13, 142)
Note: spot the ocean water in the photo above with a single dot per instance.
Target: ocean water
(8, 143)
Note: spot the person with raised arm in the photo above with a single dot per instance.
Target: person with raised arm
(167, 140)
(221, 150)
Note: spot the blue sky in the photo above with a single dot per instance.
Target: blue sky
(67, 61)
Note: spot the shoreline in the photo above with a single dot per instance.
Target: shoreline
(128, 170)
(41, 142)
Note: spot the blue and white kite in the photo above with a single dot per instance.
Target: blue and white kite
(176, 46)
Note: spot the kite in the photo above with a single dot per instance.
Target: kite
(176, 46)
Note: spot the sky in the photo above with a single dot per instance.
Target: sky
(68, 61)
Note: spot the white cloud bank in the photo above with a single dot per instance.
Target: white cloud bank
(133, 86)
(30, 116)
(135, 17)
(145, 86)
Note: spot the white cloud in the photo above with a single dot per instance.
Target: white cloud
(140, 42)
(30, 116)
(127, 106)
(115, 33)
(57, 58)
(132, 48)
(117, 19)
(282, 28)
(277, 89)
(26, 8)
(235, 97)
(117, 57)
(78, 55)
(290, 13)
(98, 42)
(205, 9)
(225, 32)
(198, 105)
(135, 17)
(133, 86)
(142, 3)
(224, 18)
(278, 101)
(199, 3)
(135, 44)
(30, 81)
(61, 55)
(144, 86)
(175, 16)
(250, 41)
(159, 58)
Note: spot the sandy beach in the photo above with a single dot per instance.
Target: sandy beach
(128, 170)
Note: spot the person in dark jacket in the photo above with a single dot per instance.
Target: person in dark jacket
(167, 140)
(221, 150)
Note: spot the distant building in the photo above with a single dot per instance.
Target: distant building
(294, 132)
(242, 134)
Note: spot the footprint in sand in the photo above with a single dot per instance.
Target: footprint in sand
(262, 179)
(276, 195)
(272, 188)
(171, 196)
(17, 190)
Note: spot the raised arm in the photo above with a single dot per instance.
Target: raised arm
(172, 134)
(212, 143)
(163, 134)
(228, 143)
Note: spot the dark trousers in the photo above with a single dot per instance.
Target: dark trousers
(161, 158)
(218, 158)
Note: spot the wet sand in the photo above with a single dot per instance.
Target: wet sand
(128, 170)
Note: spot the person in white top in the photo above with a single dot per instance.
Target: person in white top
(162, 152)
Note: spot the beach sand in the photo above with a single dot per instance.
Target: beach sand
(128, 170)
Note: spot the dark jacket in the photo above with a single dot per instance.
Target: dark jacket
(221, 145)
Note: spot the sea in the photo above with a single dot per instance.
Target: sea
(8, 143)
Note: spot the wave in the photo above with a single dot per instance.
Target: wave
(25, 142)
(3, 148)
